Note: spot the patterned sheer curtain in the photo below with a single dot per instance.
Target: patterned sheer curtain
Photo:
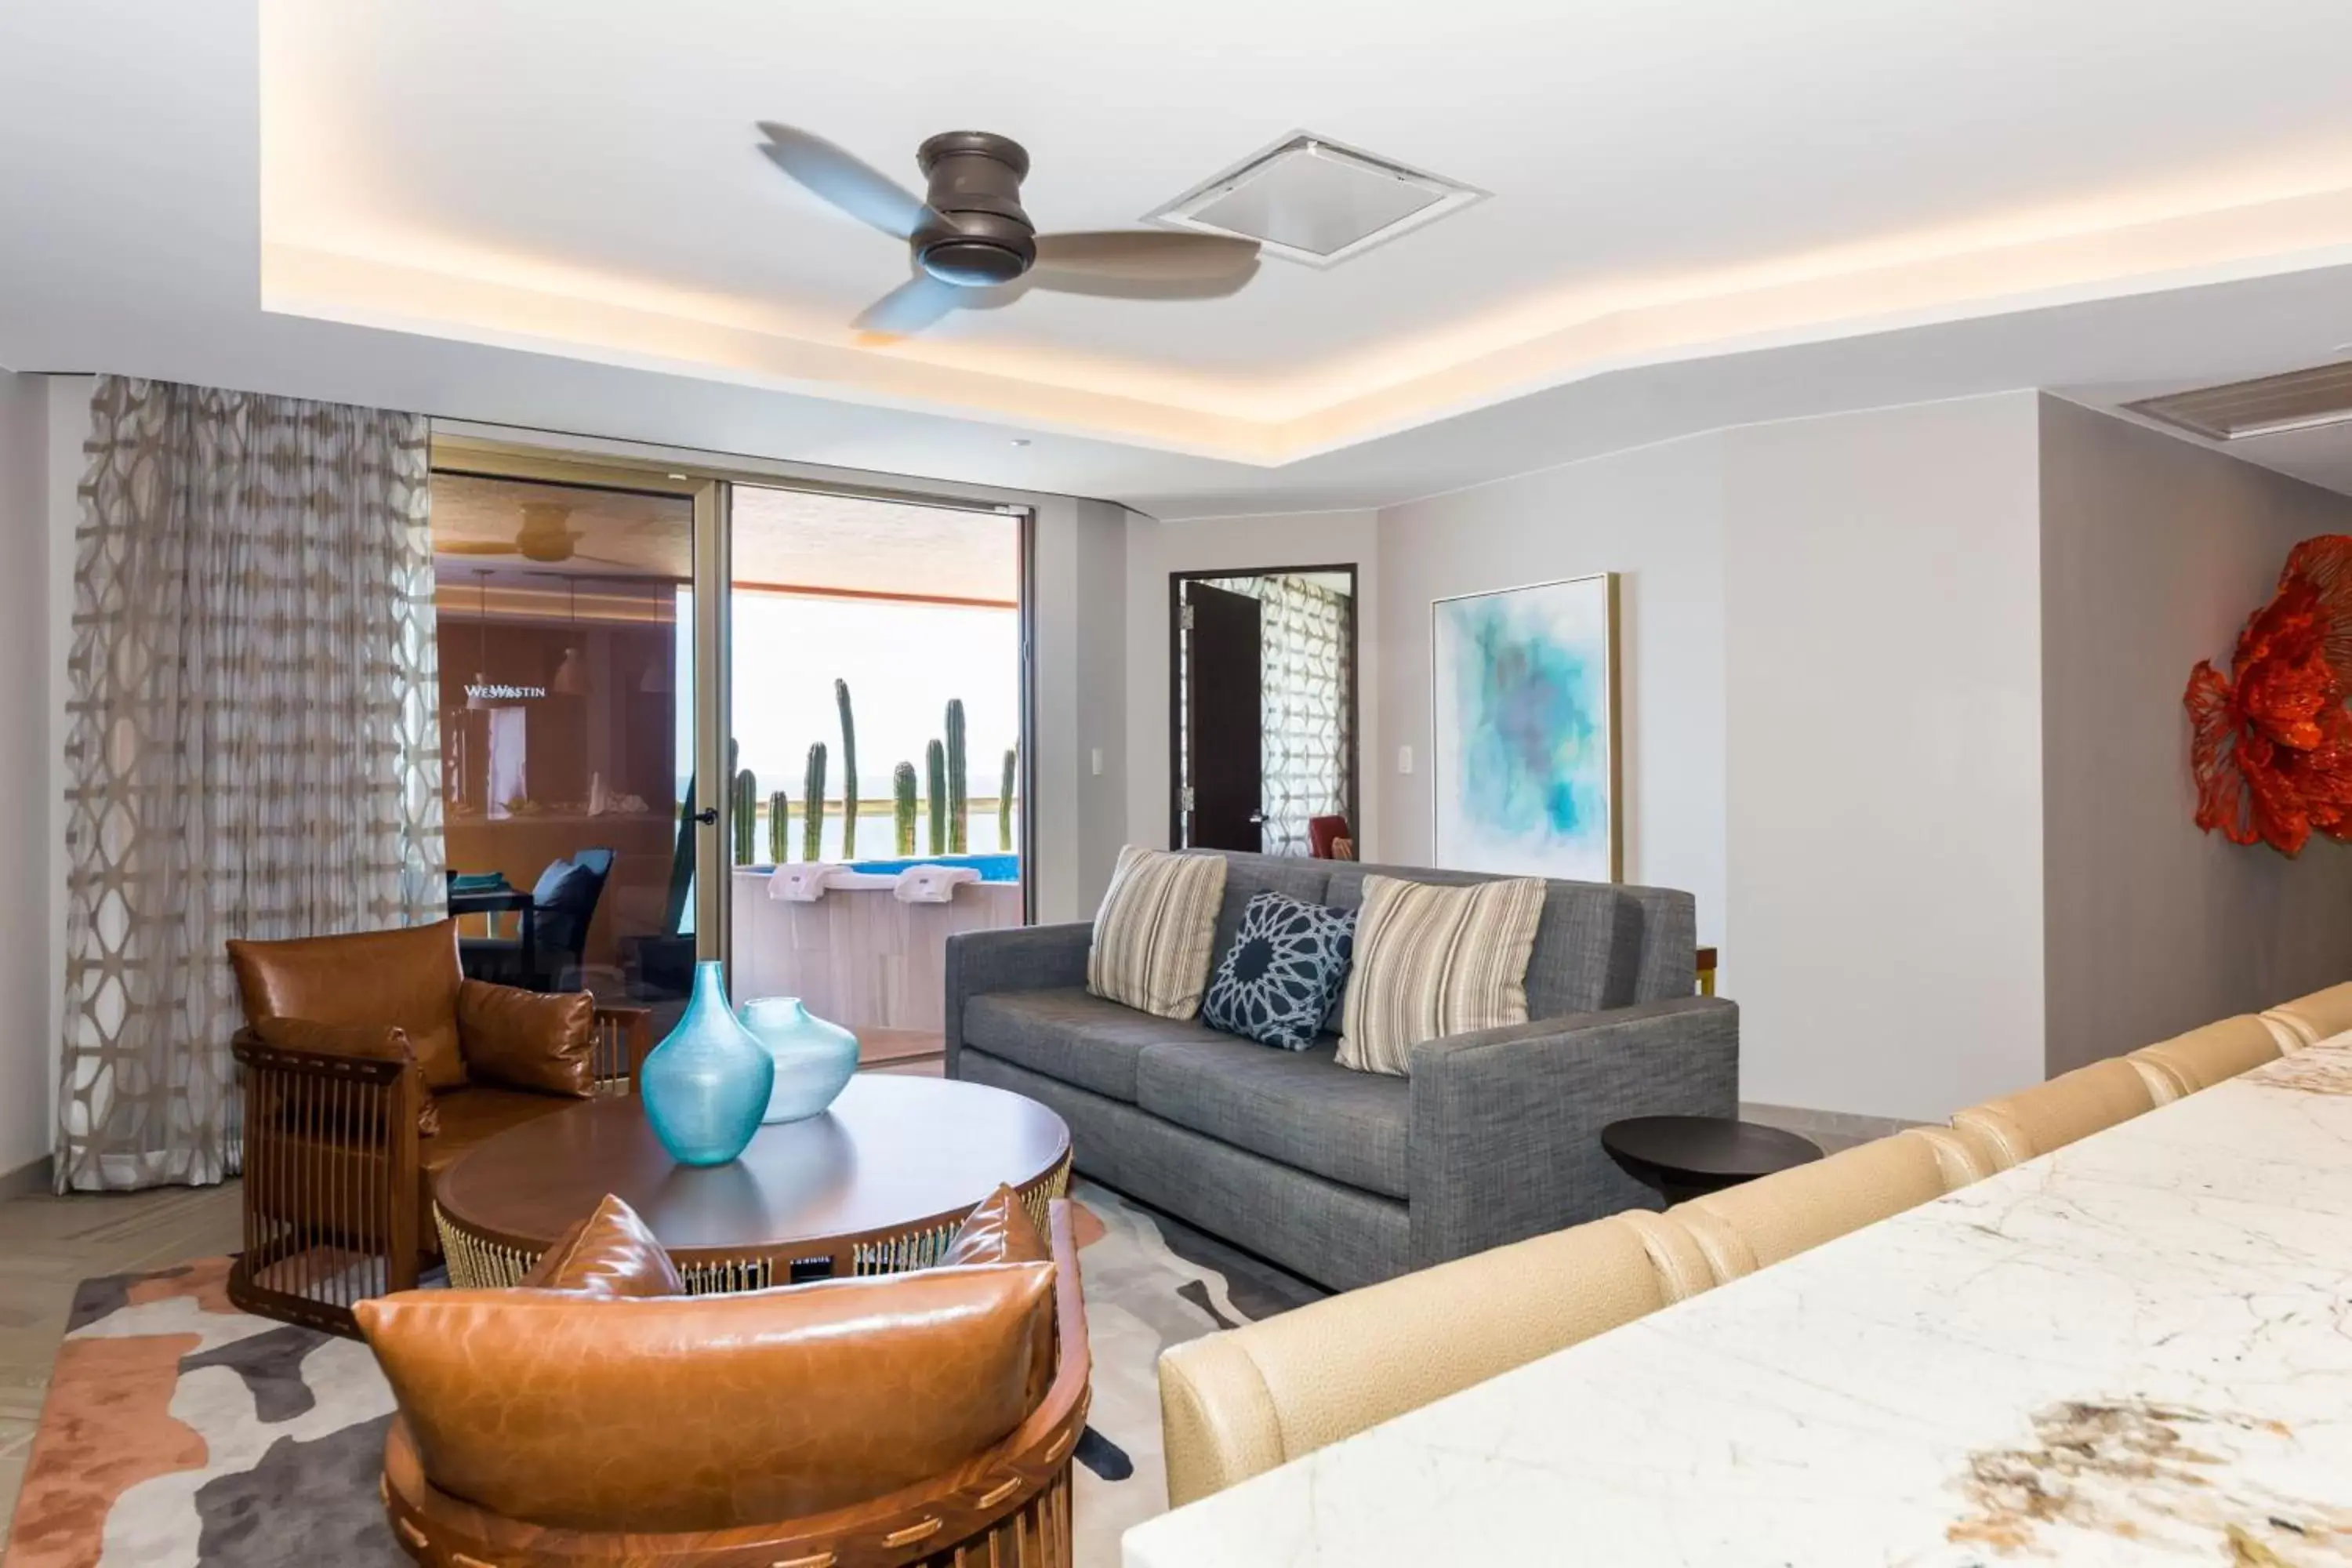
(1307, 701)
(252, 746)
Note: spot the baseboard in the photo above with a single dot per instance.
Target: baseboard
(1839, 1124)
(25, 1180)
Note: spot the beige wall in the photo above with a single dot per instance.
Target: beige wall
(25, 864)
(2155, 550)
(1154, 550)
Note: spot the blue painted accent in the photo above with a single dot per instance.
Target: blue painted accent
(813, 1059)
(992, 868)
(707, 1085)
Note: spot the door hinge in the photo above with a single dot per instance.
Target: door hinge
(1184, 618)
(1187, 797)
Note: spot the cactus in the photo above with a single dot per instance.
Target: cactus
(779, 827)
(743, 812)
(812, 803)
(935, 757)
(957, 796)
(1004, 800)
(848, 771)
(902, 806)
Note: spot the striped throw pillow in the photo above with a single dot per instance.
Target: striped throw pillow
(1154, 931)
(1433, 962)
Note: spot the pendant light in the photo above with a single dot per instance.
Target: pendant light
(570, 677)
(478, 696)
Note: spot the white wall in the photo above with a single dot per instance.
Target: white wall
(1653, 516)
(1883, 756)
(26, 863)
(1155, 549)
(1829, 637)
(2155, 550)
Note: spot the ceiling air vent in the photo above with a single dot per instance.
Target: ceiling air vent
(1313, 200)
(2299, 400)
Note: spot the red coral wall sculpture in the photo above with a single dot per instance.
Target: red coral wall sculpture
(2271, 742)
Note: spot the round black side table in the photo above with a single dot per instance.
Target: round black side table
(1681, 1157)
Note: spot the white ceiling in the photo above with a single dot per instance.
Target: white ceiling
(1703, 212)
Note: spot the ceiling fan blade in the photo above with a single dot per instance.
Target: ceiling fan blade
(1112, 286)
(1148, 255)
(918, 303)
(845, 180)
(472, 547)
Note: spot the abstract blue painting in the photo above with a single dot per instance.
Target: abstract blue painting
(1523, 717)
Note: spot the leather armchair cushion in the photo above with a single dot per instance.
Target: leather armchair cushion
(406, 978)
(370, 1042)
(527, 1040)
(610, 1253)
(720, 1411)
(999, 1231)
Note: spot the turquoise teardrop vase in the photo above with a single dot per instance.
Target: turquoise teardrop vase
(706, 1086)
(815, 1059)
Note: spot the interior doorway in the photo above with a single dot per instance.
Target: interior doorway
(1262, 710)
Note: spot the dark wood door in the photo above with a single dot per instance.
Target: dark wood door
(1224, 721)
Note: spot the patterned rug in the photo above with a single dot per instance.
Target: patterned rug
(181, 1433)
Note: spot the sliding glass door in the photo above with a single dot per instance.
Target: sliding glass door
(875, 688)
(565, 684)
(686, 715)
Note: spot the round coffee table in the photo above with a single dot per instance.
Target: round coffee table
(1681, 1157)
(876, 1184)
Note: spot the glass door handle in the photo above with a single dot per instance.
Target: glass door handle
(707, 816)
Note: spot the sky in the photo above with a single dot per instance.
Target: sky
(903, 662)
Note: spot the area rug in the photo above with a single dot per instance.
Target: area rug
(181, 1433)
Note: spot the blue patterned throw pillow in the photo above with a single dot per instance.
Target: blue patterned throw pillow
(1289, 962)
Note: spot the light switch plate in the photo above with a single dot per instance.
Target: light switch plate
(1095, 760)
(1405, 759)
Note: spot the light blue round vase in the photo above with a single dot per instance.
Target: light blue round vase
(706, 1086)
(815, 1059)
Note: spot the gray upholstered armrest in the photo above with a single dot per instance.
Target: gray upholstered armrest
(1015, 958)
(1506, 1123)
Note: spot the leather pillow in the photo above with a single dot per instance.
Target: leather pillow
(407, 978)
(610, 1253)
(716, 1410)
(999, 1231)
(526, 1040)
(370, 1042)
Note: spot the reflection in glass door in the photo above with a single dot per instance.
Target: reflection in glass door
(564, 684)
(875, 685)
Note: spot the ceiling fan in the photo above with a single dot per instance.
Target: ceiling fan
(546, 536)
(973, 247)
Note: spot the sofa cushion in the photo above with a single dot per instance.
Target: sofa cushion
(1299, 1109)
(1572, 968)
(1071, 1036)
(608, 1253)
(407, 978)
(1275, 984)
(541, 1042)
(1155, 931)
(1436, 962)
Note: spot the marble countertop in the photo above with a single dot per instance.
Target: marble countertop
(2137, 1349)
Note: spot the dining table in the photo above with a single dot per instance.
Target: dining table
(2136, 1349)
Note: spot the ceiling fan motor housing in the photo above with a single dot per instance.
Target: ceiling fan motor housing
(980, 234)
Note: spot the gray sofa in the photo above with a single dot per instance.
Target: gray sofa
(1347, 1177)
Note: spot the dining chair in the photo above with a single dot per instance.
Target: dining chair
(2307, 1020)
(1756, 1223)
(2017, 1127)
(2204, 1057)
(1235, 1404)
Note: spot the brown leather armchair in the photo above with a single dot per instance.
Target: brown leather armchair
(826, 1392)
(370, 1064)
